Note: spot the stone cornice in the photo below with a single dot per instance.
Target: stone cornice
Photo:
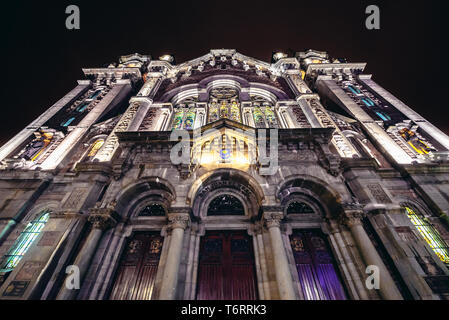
(334, 66)
(320, 135)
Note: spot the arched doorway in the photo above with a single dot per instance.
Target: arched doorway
(226, 267)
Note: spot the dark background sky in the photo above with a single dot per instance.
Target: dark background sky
(42, 59)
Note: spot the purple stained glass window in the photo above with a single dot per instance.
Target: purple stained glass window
(317, 272)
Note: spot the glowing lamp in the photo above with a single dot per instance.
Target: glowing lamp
(167, 57)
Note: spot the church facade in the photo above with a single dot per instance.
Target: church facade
(226, 178)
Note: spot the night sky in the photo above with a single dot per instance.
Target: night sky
(42, 59)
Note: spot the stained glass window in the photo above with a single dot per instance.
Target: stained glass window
(177, 121)
(271, 117)
(153, 210)
(190, 119)
(82, 107)
(296, 207)
(68, 122)
(224, 104)
(95, 94)
(225, 205)
(258, 117)
(429, 234)
(24, 241)
(235, 111)
(95, 147)
(224, 111)
(213, 112)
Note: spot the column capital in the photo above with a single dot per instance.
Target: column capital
(178, 220)
(273, 218)
(103, 218)
(352, 218)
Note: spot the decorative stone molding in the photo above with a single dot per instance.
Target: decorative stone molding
(178, 220)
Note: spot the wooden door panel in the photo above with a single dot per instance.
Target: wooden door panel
(138, 268)
(318, 276)
(226, 270)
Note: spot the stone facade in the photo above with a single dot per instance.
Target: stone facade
(301, 143)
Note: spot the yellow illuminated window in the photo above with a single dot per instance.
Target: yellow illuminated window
(96, 146)
(430, 234)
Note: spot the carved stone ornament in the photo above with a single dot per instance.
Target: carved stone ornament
(178, 220)
(273, 219)
(352, 217)
(104, 218)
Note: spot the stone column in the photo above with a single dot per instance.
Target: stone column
(387, 289)
(283, 275)
(177, 224)
(101, 219)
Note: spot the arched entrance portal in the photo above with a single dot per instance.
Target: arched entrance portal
(226, 267)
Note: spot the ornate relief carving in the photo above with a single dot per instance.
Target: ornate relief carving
(352, 218)
(112, 141)
(378, 193)
(104, 218)
(29, 270)
(74, 199)
(150, 120)
(300, 117)
(178, 220)
(273, 218)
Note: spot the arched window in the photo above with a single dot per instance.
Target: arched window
(264, 114)
(24, 242)
(226, 205)
(153, 210)
(184, 117)
(429, 233)
(224, 104)
(297, 207)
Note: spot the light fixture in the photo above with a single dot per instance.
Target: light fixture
(167, 57)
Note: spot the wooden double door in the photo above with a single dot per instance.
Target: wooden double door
(138, 268)
(226, 267)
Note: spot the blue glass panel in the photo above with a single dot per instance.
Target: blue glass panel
(95, 94)
(354, 90)
(82, 107)
(383, 116)
(68, 122)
